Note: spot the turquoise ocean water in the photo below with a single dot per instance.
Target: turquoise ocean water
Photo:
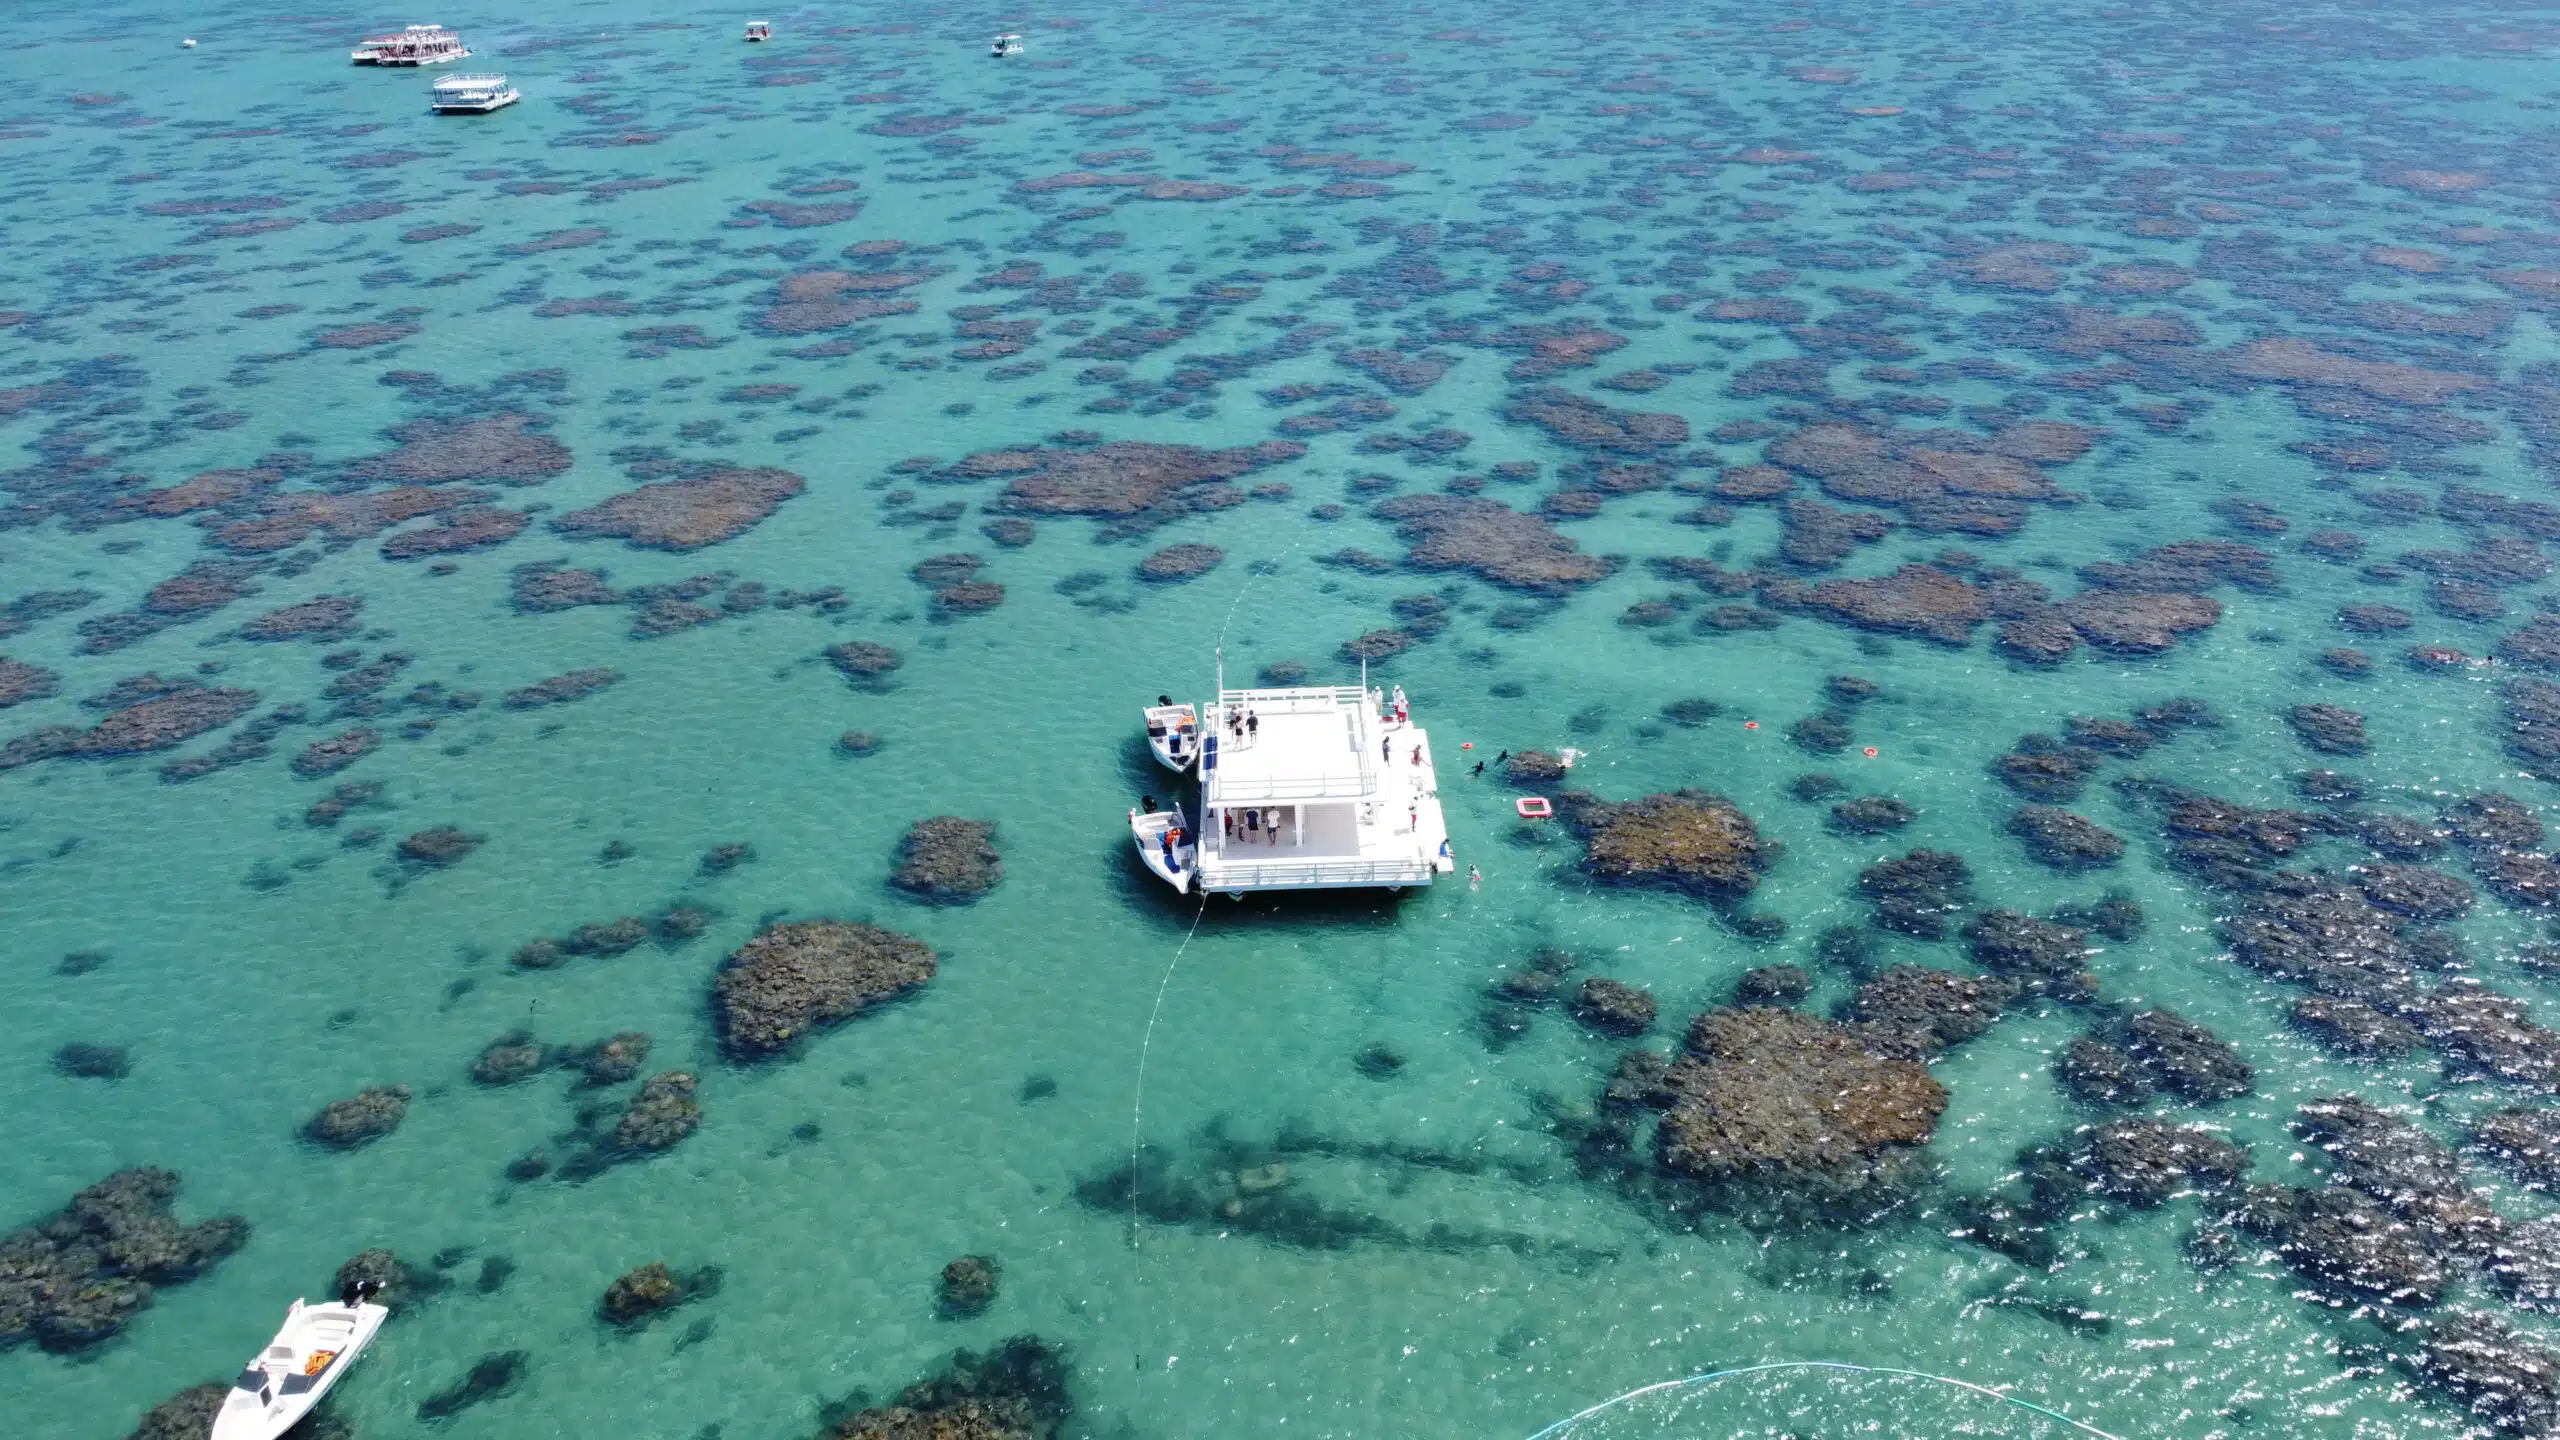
(1772, 217)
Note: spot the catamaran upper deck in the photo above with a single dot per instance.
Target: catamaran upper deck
(1316, 743)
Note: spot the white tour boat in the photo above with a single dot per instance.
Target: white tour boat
(416, 45)
(1166, 843)
(1314, 788)
(315, 1347)
(1173, 732)
(473, 94)
(1005, 45)
(759, 29)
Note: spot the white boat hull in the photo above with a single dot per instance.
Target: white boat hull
(1148, 829)
(287, 1379)
(1173, 733)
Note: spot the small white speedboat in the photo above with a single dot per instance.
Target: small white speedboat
(1174, 863)
(759, 30)
(315, 1347)
(1005, 45)
(1173, 732)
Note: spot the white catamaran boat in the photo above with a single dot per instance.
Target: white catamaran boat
(315, 1347)
(472, 94)
(1173, 732)
(1316, 788)
(416, 45)
(1005, 45)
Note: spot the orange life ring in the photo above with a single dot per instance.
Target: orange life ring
(1533, 807)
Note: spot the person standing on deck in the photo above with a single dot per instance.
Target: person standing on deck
(1252, 726)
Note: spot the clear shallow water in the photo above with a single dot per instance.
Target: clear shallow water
(257, 968)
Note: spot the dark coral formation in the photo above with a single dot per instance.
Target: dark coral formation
(969, 1286)
(1180, 562)
(561, 689)
(160, 722)
(1015, 1392)
(1915, 894)
(1769, 1096)
(2329, 729)
(1919, 1010)
(361, 1118)
(2063, 840)
(793, 978)
(1871, 815)
(1687, 840)
(2186, 1058)
(1136, 483)
(866, 663)
(436, 848)
(2145, 1162)
(1492, 540)
(2354, 1028)
(659, 1117)
(1613, 1007)
(688, 513)
(640, 1296)
(76, 1278)
(948, 859)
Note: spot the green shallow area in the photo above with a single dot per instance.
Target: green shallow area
(2063, 286)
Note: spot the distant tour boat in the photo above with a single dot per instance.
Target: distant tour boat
(473, 94)
(315, 1347)
(1005, 45)
(1173, 732)
(416, 45)
(186, 44)
(759, 29)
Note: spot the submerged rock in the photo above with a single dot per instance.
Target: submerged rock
(1871, 815)
(2496, 1373)
(969, 1286)
(2524, 1142)
(2345, 1243)
(948, 859)
(1916, 893)
(1494, 541)
(660, 1116)
(2059, 838)
(793, 978)
(434, 849)
(1688, 840)
(1770, 1096)
(2186, 1057)
(187, 1415)
(1926, 1010)
(640, 1296)
(866, 663)
(2355, 1029)
(2144, 1162)
(394, 1282)
(1772, 985)
(686, 514)
(511, 1057)
(1613, 1007)
(365, 1117)
(76, 1277)
(2098, 1073)
(1015, 1392)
